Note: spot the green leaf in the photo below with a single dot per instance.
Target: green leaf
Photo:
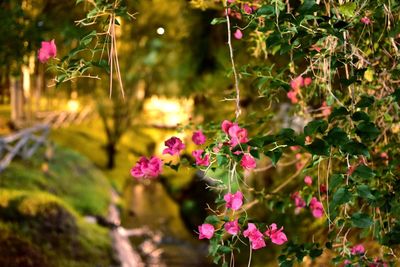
(348, 9)
(318, 147)
(364, 172)
(316, 252)
(361, 220)
(360, 116)
(341, 196)
(88, 38)
(261, 141)
(315, 126)
(266, 10)
(338, 112)
(218, 21)
(336, 137)
(367, 131)
(364, 192)
(224, 249)
(212, 219)
(355, 148)
(365, 101)
(274, 155)
(222, 160)
(335, 181)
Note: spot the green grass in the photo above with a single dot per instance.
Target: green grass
(40, 229)
(42, 204)
(70, 176)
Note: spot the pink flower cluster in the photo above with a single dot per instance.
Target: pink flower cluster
(200, 159)
(357, 250)
(199, 138)
(147, 168)
(174, 146)
(232, 227)
(234, 201)
(236, 134)
(47, 50)
(296, 84)
(206, 230)
(316, 207)
(256, 238)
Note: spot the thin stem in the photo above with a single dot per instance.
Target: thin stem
(251, 252)
(228, 24)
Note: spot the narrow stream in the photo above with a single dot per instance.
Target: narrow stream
(169, 242)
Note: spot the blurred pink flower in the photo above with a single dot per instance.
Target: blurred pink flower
(237, 135)
(198, 138)
(247, 9)
(316, 207)
(277, 236)
(326, 110)
(147, 168)
(365, 20)
(298, 200)
(234, 201)
(47, 50)
(232, 227)
(292, 95)
(307, 81)
(357, 249)
(296, 83)
(255, 236)
(206, 230)
(201, 161)
(308, 180)
(174, 146)
(248, 162)
(226, 125)
(238, 34)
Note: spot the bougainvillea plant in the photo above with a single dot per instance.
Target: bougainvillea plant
(338, 69)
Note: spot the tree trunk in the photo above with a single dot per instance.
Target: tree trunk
(111, 153)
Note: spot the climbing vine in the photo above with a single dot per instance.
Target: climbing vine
(336, 64)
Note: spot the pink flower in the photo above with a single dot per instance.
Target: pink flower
(238, 135)
(248, 162)
(226, 125)
(198, 138)
(294, 148)
(316, 207)
(147, 168)
(238, 34)
(365, 20)
(316, 48)
(296, 83)
(206, 230)
(292, 95)
(217, 148)
(247, 9)
(326, 110)
(201, 161)
(307, 81)
(174, 146)
(232, 227)
(357, 249)
(384, 156)
(346, 262)
(47, 51)
(255, 236)
(308, 180)
(234, 201)
(298, 200)
(277, 236)
(231, 1)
